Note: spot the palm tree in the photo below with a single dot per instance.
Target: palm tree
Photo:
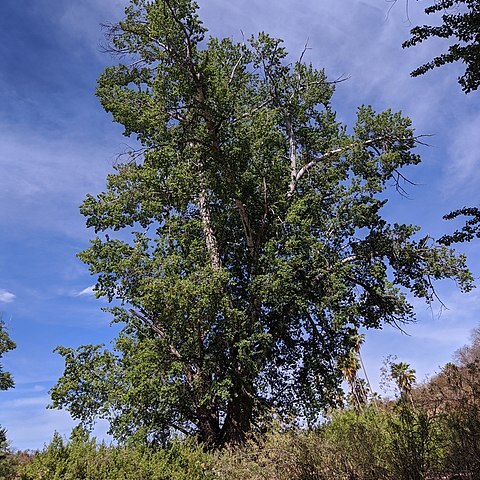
(404, 376)
(357, 340)
(350, 366)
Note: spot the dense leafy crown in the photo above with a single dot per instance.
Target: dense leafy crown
(244, 239)
(460, 21)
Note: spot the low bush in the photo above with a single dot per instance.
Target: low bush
(83, 459)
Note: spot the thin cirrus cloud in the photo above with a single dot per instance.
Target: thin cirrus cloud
(464, 152)
(6, 296)
(31, 424)
(87, 292)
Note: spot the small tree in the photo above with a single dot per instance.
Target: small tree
(258, 244)
(6, 344)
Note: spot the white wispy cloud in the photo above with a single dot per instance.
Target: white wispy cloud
(36, 176)
(30, 424)
(462, 171)
(81, 20)
(6, 296)
(87, 291)
(25, 402)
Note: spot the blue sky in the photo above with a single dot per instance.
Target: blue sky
(57, 144)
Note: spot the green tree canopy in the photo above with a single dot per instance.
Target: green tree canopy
(244, 241)
(460, 22)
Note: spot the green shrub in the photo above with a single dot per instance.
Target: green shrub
(415, 448)
(291, 455)
(351, 445)
(393, 443)
(83, 459)
(360, 443)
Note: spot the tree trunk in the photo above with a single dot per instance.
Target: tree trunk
(210, 238)
(238, 421)
(209, 432)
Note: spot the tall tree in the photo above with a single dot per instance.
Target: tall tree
(244, 240)
(460, 23)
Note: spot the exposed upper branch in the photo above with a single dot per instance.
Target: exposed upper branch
(338, 151)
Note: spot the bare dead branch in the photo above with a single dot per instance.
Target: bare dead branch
(407, 8)
(305, 48)
(342, 78)
(237, 63)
